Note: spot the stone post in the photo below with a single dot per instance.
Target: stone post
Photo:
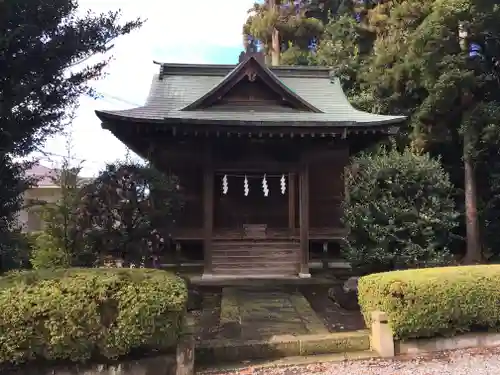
(185, 355)
(382, 340)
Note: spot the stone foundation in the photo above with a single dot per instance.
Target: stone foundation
(383, 343)
(161, 365)
(181, 363)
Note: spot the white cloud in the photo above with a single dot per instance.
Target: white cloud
(175, 31)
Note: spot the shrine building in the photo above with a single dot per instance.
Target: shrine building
(260, 154)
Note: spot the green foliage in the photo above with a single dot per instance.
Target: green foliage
(47, 253)
(408, 58)
(296, 56)
(340, 49)
(128, 212)
(399, 212)
(14, 247)
(60, 237)
(297, 25)
(41, 79)
(489, 190)
(84, 314)
(416, 62)
(435, 301)
(38, 79)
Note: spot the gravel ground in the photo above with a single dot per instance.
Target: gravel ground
(461, 362)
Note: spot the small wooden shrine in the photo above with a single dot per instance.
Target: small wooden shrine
(260, 154)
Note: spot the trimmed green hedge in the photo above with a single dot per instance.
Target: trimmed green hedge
(82, 314)
(434, 301)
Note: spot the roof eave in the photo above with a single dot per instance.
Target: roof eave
(288, 123)
(107, 118)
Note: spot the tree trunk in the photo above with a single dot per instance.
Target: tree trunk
(275, 52)
(473, 253)
(275, 39)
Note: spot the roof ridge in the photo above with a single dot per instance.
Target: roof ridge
(281, 71)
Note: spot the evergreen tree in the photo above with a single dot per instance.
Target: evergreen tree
(289, 29)
(43, 46)
(435, 62)
(58, 243)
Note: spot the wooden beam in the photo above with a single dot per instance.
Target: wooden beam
(304, 219)
(267, 166)
(292, 195)
(208, 210)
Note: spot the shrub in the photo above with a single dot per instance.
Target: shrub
(84, 314)
(400, 212)
(128, 212)
(434, 301)
(46, 253)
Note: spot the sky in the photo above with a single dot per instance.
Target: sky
(195, 31)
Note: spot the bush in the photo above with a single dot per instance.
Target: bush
(46, 253)
(85, 314)
(434, 301)
(400, 212)
(128, 213)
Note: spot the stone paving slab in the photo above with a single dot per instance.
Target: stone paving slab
(237, 350)
(252, 314)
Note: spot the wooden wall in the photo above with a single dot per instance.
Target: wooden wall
(234, 209)
(326, 188)
(191, 184)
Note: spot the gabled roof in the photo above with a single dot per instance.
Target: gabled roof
(179, 89)
(251, 65)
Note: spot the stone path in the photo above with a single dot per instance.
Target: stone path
(253, 314)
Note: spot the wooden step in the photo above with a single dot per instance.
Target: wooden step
(259, 257)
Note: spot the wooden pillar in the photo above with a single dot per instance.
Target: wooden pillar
(208, 212)
(292, 198)
(304, 219)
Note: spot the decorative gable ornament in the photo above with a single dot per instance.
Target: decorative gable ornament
(252, 75)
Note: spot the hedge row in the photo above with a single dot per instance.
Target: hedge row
(81, 314)
(434, 301)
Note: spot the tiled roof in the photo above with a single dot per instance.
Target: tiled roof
(44, 175)
(178, 85)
